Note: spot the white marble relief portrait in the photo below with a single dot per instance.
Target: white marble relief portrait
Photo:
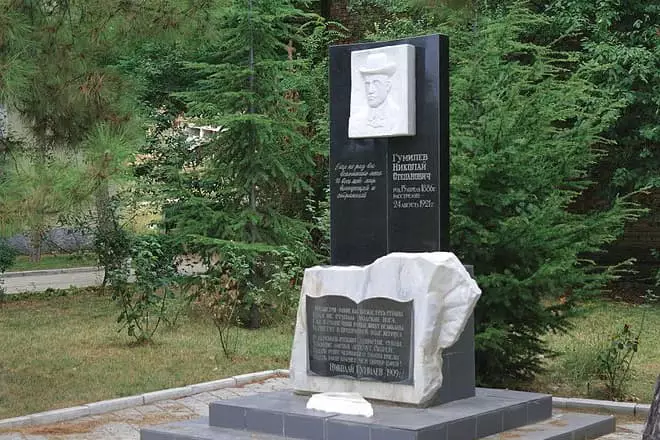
(382, 92)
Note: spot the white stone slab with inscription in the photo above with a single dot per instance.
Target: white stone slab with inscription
(382, 92)
(443, 297)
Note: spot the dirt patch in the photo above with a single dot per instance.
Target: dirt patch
(511, 434)
(557, 422)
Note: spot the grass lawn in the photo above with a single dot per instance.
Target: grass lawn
(53, 262)
(572, 373)
(65, 351)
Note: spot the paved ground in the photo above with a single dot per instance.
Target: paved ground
(125, 424)
(40, 281)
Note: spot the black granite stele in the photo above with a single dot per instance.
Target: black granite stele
(376, 206)
(278, 415)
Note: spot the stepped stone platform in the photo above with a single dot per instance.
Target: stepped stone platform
(282, 414)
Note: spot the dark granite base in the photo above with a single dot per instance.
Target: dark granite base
(283, 415)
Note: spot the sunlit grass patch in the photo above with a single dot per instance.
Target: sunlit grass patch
(65, 351)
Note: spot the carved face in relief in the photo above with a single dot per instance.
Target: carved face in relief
(377, 88)
(376, 74)
(382, 100)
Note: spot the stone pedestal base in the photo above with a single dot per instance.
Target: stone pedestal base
(279, 415)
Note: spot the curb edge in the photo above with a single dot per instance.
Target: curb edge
(27, 273)
(621, 408)
(106, 406)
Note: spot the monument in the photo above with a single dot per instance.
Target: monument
(384, 341)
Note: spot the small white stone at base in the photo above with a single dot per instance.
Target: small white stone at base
(341, 403)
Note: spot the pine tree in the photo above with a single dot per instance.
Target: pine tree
(59, 81)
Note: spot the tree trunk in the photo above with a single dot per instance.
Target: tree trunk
(36, 241)
(652, 431)
(104, 227)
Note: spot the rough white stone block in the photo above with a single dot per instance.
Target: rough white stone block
(382, 92)
(443, 294)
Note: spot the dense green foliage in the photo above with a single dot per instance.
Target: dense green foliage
(620, 42)
(72, 110)
(546, 99)
(261, 156)
(7, 256)
(253, 191)
(523, 136)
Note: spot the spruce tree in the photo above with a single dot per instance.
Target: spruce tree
(261, 155)
(525, 133)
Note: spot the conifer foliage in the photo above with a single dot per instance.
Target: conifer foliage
(524, 131)
(248, 89)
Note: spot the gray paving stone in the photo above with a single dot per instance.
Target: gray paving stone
(508, 394)
(596, 429)
(304, 427)
(195, 405)
(465, 429)
(200, 431)
(564, 426)
(433, 434)
(515, 416)
(385, 433)
(489, 423)
(227, 416)
(299, 424)
(264, 412)
(268, 422)
(205, 398)
(224, 394)
(539, 410)
(413, 419)
(146, 410)
(341, 430)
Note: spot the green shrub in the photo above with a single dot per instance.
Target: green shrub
(267, 278)
(144, 302)
(7, 257)
(615, 360)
